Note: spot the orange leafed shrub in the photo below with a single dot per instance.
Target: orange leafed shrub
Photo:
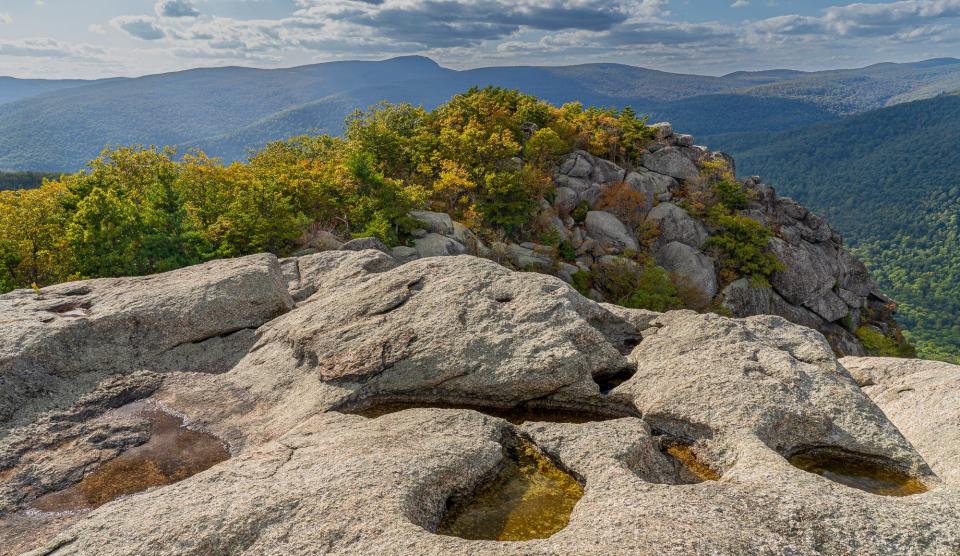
(625, 203)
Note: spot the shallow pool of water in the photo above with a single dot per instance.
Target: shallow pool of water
(530, 498)
(692, 468)
(860, 472)
(172, 453)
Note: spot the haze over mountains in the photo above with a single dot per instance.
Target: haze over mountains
(60, 125)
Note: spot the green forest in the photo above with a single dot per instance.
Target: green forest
(24, 180)
(888, 181)
(141, 210)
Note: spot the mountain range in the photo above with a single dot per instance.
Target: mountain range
(872, 149)
(60, 125)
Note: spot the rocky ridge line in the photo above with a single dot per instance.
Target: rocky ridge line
(822, 285)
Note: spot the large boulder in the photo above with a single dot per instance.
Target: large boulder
(653, 186)
(606, 172)
(578, 164)
(776, 381)
(565, 200)
(436, 245)
(676, 224)
(411, 329)
(809, 270)
(671, 161)
(434, 222)
(57, 343)
(365, 243)
(695, 268)
(610, 232)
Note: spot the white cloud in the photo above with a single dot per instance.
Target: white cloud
(97, 29)
(740, 4)
(175, 8)
(140, 27)
(48, 48)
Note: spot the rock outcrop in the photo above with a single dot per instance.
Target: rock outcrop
(819, 284)
(922, 398)
(357, 416)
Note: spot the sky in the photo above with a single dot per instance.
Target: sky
(103, 38)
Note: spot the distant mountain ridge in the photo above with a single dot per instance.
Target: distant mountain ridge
(58, 126)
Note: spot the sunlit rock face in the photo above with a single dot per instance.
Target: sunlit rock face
(452, 406)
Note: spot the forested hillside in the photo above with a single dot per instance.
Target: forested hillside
(16, 89)
(229, 111)
(889, 180)
(144, 210)
(24, 180)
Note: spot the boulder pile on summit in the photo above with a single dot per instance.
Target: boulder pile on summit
(452, 405)
(605, 221)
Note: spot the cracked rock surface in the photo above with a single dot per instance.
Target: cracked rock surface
(301, 342)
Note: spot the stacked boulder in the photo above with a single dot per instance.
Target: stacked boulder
(821, 285)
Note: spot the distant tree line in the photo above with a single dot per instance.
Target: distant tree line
(24, 180)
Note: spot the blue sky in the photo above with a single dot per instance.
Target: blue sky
(98, 38)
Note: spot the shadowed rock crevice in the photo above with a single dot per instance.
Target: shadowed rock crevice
(517, 414)
(609, 380)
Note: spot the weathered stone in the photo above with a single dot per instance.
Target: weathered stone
(854, 275)
(676, 224)
(436, 245)
(326, 270)
(606, 172)
(79, 333)
(651, 185)
(565, 200)
(577, 165)
(575, 184)
(921, 399)
(404, 254)
(435, 222)
(591, 196)
(852, 300)
(776, 382)
(326, 241)
(829, 306)
(683, 140)
(671, 162)
(524, 258)
(662, 129)
(741, 396)
(691, 265)
(811, 270)
(365, 243)
(610, 232)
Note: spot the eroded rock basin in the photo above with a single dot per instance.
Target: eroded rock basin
(860, 472)
(530, 498)
(172, 453)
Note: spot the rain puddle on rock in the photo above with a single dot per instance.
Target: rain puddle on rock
(859, 472)
(691, 469)
(172, 454)
(530, 498)
(516, 415)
